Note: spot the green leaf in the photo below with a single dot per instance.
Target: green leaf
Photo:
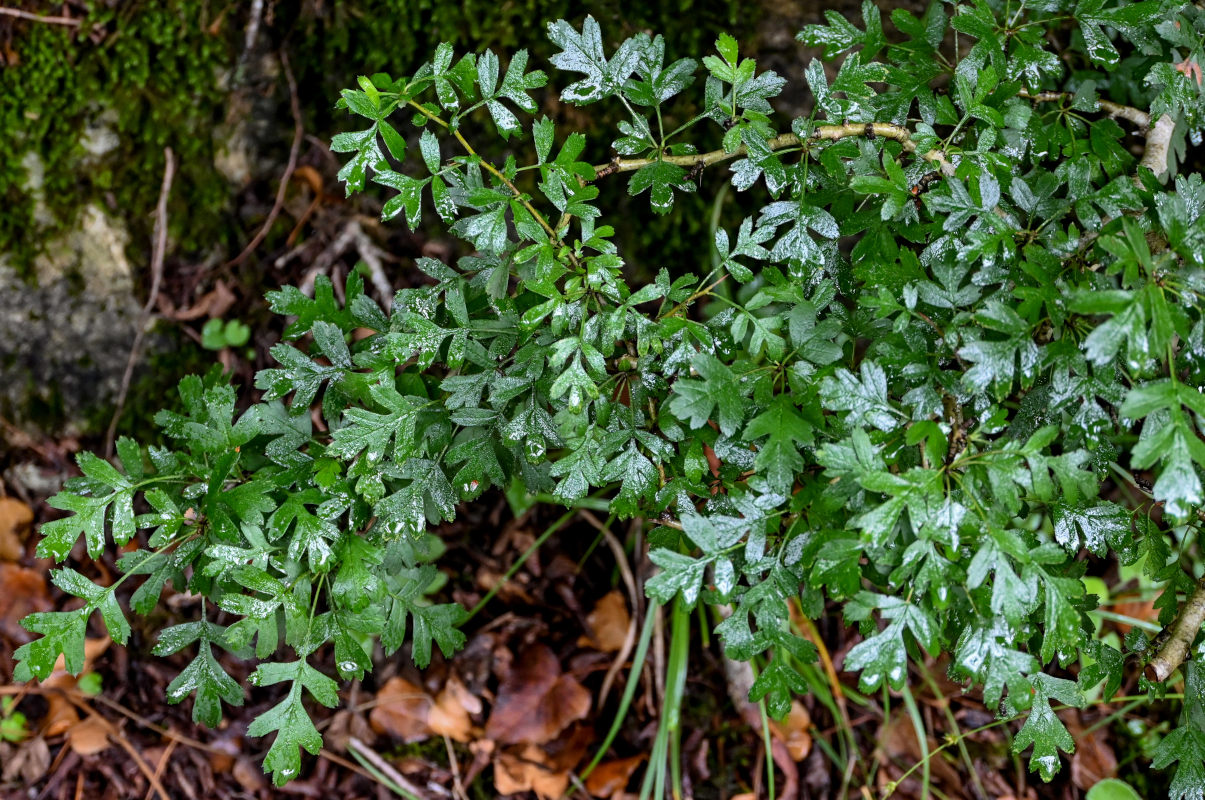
(778, 458)
(865, 398)
(583, 52)
(288, 719)
(1043, 729)
(1185, 744)
(62, 633)
(718, 392)
(661, 178)
(204, 675)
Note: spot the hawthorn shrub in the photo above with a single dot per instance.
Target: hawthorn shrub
(950, 366)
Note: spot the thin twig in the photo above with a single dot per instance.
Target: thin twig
(158, 254)
(16, 12)
(294, 151)
(871, 130)
(1158, 133)
(113, 735)
(1180, 637)
(1114, 110)
(629, 581)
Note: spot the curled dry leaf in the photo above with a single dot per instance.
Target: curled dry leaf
(608, 623)
(521, 773)
(543, 770)
(450, 714)
(404, 711)
(15, 519)
(611, 777)
(29, 763)
(536, 701)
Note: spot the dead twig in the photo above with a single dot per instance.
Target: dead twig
(351, 236)
(629, 581)
(157, 255)
(1180, 636)
(294, 151)
(19, 14)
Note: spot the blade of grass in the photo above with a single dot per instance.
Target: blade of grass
(510, 573)
(671, 709)
(922, 739)
(629, 690)
(377, 767)
(765, 734)
(980, 789)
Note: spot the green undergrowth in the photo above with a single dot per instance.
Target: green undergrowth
(945, 376)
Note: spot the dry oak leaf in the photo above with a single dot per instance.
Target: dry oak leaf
(612, 776)
(608, 624)
(15, 518)
(536, 701)
(401, 711)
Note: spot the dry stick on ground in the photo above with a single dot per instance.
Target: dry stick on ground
(157, 256)
(294, 151)
(353, 234)
(1180, 637)
(629, 581)
(18, 13)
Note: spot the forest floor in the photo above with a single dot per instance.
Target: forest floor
(523, 708)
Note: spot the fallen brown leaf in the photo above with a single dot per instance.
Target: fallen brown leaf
(535, 701)
(794, 731)
(450, 714)
(610, 777)
(22, 591)
(29, 763)
(522, 773)
(15, 518)
(1093, 759)
(91, 736)
(608, 623)
(249, 775)
(402, 711)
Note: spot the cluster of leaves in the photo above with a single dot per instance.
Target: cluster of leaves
(953, 361)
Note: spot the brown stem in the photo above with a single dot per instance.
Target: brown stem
(1114, 110)
(19, 14)
(1180, 636)
(881, 130)
(1158, 133)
